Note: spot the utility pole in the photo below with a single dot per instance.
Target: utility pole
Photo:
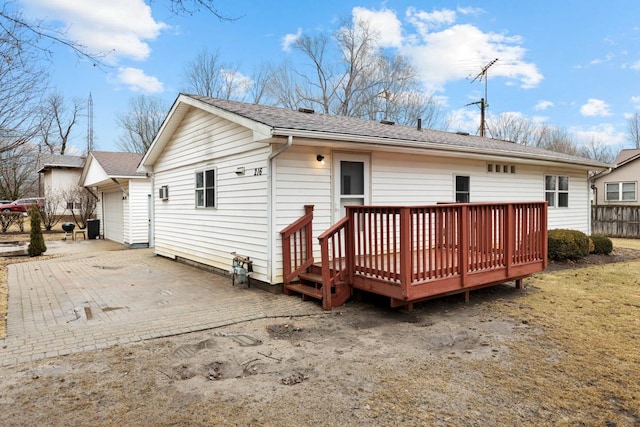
(483, 101)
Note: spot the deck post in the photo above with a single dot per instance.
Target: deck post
(308, 210)
(350, 246)
(463, 243)
(405, 250)
(510, 237)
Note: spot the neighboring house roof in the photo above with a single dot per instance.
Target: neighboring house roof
(112, 165)
(118, 164)
(626, 155)
(268, 122)
(59, 161)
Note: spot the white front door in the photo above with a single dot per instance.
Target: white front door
(350, 182)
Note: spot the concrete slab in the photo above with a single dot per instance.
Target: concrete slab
(102, 294)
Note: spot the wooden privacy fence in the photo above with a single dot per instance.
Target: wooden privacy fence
(616, 221)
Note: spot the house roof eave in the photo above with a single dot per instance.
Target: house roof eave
(177, 112)
(441, 149)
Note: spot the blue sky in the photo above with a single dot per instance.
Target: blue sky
(572, 64)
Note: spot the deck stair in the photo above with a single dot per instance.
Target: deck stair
(309, 285)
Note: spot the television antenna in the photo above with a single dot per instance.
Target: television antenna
(483, 74)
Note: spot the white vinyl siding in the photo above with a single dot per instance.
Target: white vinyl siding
(137, 232)
(113, 218)
(301, 180)
(240, 221)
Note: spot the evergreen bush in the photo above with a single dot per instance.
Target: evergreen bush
(36, 239)
(601, 244)
(567, 244)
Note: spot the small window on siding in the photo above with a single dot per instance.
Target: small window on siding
(206, 189)
(489, 167)
(462, 189)
(556, 190)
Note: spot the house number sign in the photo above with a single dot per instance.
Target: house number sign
(258, 171)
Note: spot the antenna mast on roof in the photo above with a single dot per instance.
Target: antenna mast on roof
(90, 125)
(483, 102)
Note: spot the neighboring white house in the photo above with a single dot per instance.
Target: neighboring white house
(619, 185)
(232, 175)
(60, 175)
(124, 195)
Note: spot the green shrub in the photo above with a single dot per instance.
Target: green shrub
(36, 239)
(567, 244)
(602, 244)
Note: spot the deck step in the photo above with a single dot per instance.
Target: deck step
(311, 277)
(306, 290)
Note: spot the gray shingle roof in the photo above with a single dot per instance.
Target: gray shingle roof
(281, 120)
(51, 161)
(118, 164)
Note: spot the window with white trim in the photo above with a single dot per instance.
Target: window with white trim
(556, 191)
(462, 189)
(620, 191)
(206, 189)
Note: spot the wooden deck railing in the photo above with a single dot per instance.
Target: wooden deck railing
(416, 252)
(297, 246)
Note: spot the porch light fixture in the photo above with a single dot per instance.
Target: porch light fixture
(320, 158)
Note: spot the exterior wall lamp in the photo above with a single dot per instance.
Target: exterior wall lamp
(320, 158)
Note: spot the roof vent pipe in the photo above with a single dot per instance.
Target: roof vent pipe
(419, 123)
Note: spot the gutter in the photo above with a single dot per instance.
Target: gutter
(458, 150)
(271, 207)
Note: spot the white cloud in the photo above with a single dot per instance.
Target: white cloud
(635, 100)
(119, 28)
(543, 104)
(290, 39)
(595, 107)
(137, 81)
(635, 65)
(427, 21)
(384, 21)
(606, 133)
(438, 55)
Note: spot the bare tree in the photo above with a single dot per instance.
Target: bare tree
(84, 205)
(190, 7)
(141, 123)
(18, 176)
(21, 83)
(208, 75)
(51, 212)
(597, 150)
(58, 121)
(351, 74)
(633, 129)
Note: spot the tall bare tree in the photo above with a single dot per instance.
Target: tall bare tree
(58, 120)
(18, 176)
(351, 74)
(140, 123)
(22, 82)
(596, 149)
(633, 129)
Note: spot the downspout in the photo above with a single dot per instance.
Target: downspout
(271, 207)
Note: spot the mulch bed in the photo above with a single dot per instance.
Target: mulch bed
(618, 255)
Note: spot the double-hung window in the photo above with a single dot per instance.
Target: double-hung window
(620, 191)
(462, 189)
(556, 191)
(206, 188)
